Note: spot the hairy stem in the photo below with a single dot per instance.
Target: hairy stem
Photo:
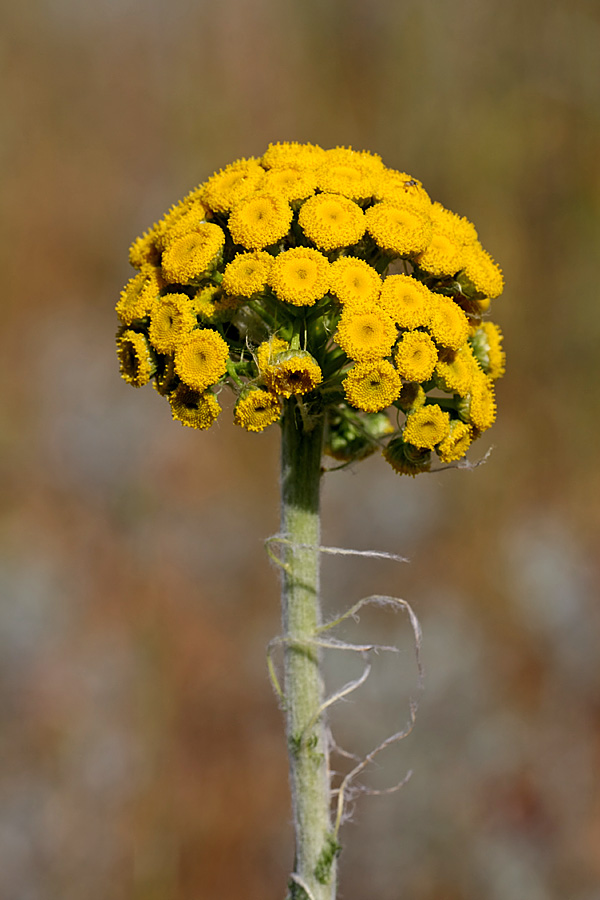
(316, 850)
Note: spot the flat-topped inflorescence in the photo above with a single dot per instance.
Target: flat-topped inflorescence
(322, 278)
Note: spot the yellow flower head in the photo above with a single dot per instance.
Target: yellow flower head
(448, 323)
(331, 221)
(352, 176)
(399, 230)
(300, 276)
(201, 358)
(406, 459)
(173, 317)
(247, 273)
(139, 295)
(257, 409)
(401, 189)
(457, 228)
(292, 182)
(371, 386)
(144, 251)
(483, 273)
(407, 301)
(416, 356)
(260, 221)
(197, 409)
(183, 218)
(456, 444)
(354, 281)
(292, 372)
(268, 350)
(212, 305)
(456, 376)
(136, 360)
(365, 332)
(443, 256)
(291, 153)
(487, 347)
(426, 427)
(192, 255)
(235, 182)
(370, 162)
(479, 407)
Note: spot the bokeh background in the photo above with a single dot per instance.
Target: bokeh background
(142, 753)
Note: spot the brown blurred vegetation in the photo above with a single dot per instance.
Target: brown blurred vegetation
(142, 749)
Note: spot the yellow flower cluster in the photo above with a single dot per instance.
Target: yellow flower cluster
(323, 279)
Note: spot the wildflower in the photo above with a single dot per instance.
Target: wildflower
(456, 375)
(448, 323)
(426, 427)
(143, 251)
(487, 347)
(135, 358)
(365, 332)
(406, 459)
(352, 176)
(256, 409)
(443, 256)
(247, 273)
(412, 397)
(291, 153)
(372, 386)
(478, 408)
(212, 305)
(457, 442)
(415, 356)
(200, 359)
(401, 189)
(292, 372)
(260, 221)
(331, 221)
(291, 182)
(399, 231)
(235, 182)
(139, 295)
(407, 301)
(172, 318)
(300, 276)
(354, 281)
(183, 218)
(268, 350)
(483, 273)
(191, 255)
(197, 409)
(457, 228)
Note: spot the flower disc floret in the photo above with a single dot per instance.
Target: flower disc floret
(456, 375)
(443, 256)
(257, 409)
(139, 295)
(407, 301)
(458, 228)
(183, 218)
(406, 459)
(371, 386)
(351, 178)
(260, 221)
(268, 350)
(201, 359)
(300, 276)
(247, 273)
(486, 342)
(479, 407)
(365, 333)
(331, 221)
(456, 444)
(143, 251)
(193, 254)
(483, 273)
(448, 323)
(401, 189)
(196, 409)
(354, 281)
(426, 427)
(235, 182)
(292, 372)
(291, 153)
(292, 182)
(173, 317)
(399, 230)
(415, 356)
(137, 363)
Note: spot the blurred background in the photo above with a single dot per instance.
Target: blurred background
(142, 751)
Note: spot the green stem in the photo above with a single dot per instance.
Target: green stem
(307, 739)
